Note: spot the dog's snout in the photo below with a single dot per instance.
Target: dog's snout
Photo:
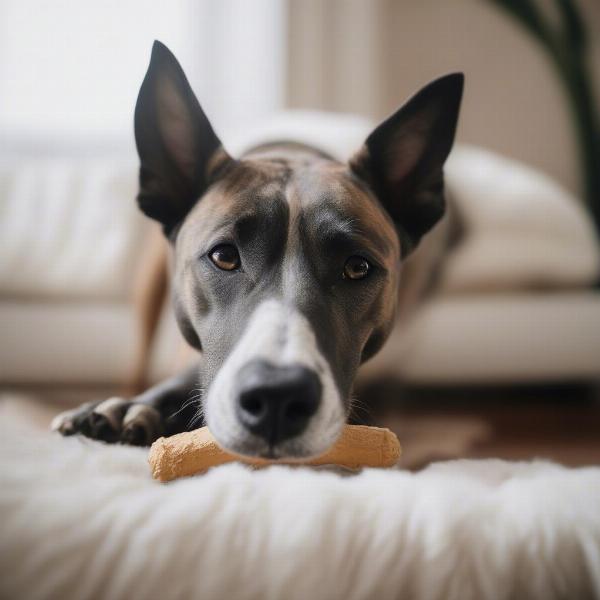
(277, 403)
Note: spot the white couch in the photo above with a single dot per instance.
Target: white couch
(516, 302)
(70, 242)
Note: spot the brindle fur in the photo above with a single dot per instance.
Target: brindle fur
(296, 215)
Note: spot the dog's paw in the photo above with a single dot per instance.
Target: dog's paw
(112, 421)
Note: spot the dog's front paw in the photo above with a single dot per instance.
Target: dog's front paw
(114, 420)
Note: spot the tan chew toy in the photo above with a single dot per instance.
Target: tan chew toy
(196, 451)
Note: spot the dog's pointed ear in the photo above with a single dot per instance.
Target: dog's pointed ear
(180, 154)
(403, 158)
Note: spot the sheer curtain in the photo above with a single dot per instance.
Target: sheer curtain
(73, 69)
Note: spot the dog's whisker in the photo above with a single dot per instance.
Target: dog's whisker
(196, 393)
(196, 399)
(196, 418)
(184, 407)
(199, 415)
(358, 408)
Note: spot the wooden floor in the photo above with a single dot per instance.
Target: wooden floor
(560, 423)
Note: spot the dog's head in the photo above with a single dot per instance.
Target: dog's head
(286, 262)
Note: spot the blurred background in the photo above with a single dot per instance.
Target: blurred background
(502, 360)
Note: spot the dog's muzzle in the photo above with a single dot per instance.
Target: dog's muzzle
(276, 402)
(275, 395)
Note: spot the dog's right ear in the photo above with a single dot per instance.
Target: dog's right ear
(180, 154)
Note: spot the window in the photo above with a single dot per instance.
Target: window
(73, 68)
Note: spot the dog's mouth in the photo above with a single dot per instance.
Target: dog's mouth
(292, 451)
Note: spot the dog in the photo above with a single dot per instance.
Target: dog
(286, 266)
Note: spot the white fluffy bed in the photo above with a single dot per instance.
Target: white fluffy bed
(79, 519)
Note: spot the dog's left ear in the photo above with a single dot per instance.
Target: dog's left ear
(179, 151)
(403, 158)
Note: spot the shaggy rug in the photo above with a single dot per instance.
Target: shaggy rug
(79, 519)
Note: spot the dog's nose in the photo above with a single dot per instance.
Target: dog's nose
(276, 403)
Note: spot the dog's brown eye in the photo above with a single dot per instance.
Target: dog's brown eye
(225, 256)
(356, 267)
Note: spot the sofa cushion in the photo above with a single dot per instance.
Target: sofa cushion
(522, 229)
(69, 226)
(66, 342)
(495, 339)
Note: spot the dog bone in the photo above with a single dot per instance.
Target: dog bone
(196, 451)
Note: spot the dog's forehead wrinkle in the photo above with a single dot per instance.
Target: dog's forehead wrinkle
(332, 201)
(226, 207)
(321, 185)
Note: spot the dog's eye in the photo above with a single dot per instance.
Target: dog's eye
(225, 256)
(356, 267)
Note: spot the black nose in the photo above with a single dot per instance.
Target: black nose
(276, 403)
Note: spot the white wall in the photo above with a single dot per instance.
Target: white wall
(370, 55)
